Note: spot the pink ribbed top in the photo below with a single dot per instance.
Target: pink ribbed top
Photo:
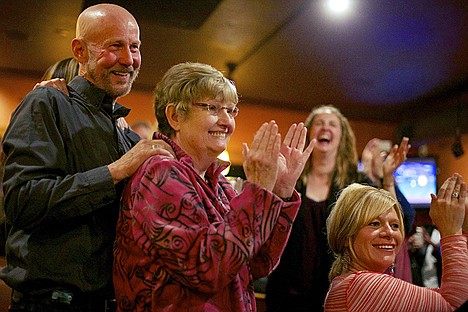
(368, 291)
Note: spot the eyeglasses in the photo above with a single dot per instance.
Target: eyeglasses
(215, 110)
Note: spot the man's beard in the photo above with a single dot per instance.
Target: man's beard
(105, 84)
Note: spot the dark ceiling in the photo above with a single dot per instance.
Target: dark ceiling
(394, 60)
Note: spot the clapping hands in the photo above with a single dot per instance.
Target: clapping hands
(275, 165)
(395, 157)
(448, 210)
(292, 159)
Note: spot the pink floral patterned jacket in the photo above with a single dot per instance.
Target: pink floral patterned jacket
(185, 243)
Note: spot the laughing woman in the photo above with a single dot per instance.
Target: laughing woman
(365, 231)
(186, 241)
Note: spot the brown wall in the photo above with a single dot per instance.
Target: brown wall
(13, 89)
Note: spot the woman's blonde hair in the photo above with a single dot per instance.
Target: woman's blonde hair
(186, 83)
(347, 157)
(356, 207)
(66, 69)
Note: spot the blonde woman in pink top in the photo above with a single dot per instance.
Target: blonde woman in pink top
(365, 232)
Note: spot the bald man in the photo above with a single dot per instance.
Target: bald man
(66, 162)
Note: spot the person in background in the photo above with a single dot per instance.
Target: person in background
(186, 240)
(380, 160)
(431, 269)
(66, 164)
(59, 74)
(416, 250)
(66, 69)
(300, 281)
(423, 249)
(143, 128)
(3, 225)
(365, 232)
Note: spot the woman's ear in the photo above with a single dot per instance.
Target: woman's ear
(173, 118)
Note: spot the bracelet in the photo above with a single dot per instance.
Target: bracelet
(287, 200)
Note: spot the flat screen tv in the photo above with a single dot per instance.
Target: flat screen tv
(417, 179)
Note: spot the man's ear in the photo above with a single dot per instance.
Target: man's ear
(79, 50)
(173, 118)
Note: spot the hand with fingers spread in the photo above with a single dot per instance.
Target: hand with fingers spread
(395, 158)
(372, 160)
(448, 207)
(292, 159)
(260, 161)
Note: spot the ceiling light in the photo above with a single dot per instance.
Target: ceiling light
(338, 6)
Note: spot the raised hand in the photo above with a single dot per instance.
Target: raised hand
(396, 157)
(448, 207)
(292, 159)
(260, 161)
(372, 160)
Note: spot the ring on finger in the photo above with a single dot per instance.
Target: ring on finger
(455, 195)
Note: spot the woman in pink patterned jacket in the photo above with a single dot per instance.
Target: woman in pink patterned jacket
(186, 241)
(365, 231)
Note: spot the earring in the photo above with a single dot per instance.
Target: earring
(345, 260)
(391, 269)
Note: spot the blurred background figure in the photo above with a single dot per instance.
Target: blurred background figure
(372, 158)
(59, 74)
(431, 270)
(5, 291)
(3, 226)
(66, 69)
(425, 255)
(143, 128)
(417, 250)
(300, 282)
